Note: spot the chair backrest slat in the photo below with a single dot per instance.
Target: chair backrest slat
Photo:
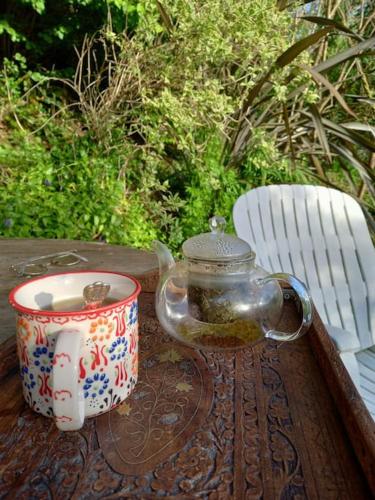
(336, 266)
(270, 242)
(342, 208)
(278, 228)
(307, 247)
(365, 254)
(292, 237)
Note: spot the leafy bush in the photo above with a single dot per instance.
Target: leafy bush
(47, 31)
(143, 159)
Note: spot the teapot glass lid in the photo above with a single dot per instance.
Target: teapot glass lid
(217, 245)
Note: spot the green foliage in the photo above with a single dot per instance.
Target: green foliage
(6, 29)
(70, 190)
(158, 131)
(47, 31)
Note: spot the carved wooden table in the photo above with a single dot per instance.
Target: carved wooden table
(270, 422)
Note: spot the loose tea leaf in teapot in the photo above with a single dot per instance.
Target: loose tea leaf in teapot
(215, 305)
(236, 334)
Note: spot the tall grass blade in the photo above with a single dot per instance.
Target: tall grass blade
(364, 171)
(357, 50)
(319, 78)
(289, 133)
(319, 127)
(290, 54)
(165, 17)
(350, 135)
(364, 127)
(324, 21)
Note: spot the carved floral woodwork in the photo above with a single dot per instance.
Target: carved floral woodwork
(257, 423)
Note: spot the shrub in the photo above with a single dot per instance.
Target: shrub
(167, 126)
(47, 31)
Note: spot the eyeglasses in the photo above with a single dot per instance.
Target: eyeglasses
(39, 265)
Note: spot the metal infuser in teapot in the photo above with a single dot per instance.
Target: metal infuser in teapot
(217, 297)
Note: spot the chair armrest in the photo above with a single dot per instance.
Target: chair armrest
(351, 364)
(344, 341)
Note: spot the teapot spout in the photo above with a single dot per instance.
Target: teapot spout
(166, 260)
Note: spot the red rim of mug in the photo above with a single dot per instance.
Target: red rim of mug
(87, 312)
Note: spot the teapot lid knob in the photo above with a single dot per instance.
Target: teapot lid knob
(217, 224)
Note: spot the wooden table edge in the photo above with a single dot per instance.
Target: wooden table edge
(354, 414)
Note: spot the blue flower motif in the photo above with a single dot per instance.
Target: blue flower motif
(8, 222)
(28, 378)
(43, 358)
(133, 313)
(118, 348)
(95, 385)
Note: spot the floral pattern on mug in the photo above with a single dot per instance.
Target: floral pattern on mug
(42, 359)
(22, 352)
(24, 329)
(95, 385)
(133, 340)
(120, 320)
(101, 329)
(118, 348)
(133, 314)
(135, 364)
(28, 378)
(98, 356)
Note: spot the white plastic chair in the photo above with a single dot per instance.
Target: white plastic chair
(321, 236)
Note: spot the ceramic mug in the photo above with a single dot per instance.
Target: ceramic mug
(76, 364)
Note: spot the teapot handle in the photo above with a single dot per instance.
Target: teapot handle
(306, 303)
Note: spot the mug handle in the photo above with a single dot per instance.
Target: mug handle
(67, 395)
(306, 303)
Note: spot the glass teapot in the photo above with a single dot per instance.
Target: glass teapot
(218, 298)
